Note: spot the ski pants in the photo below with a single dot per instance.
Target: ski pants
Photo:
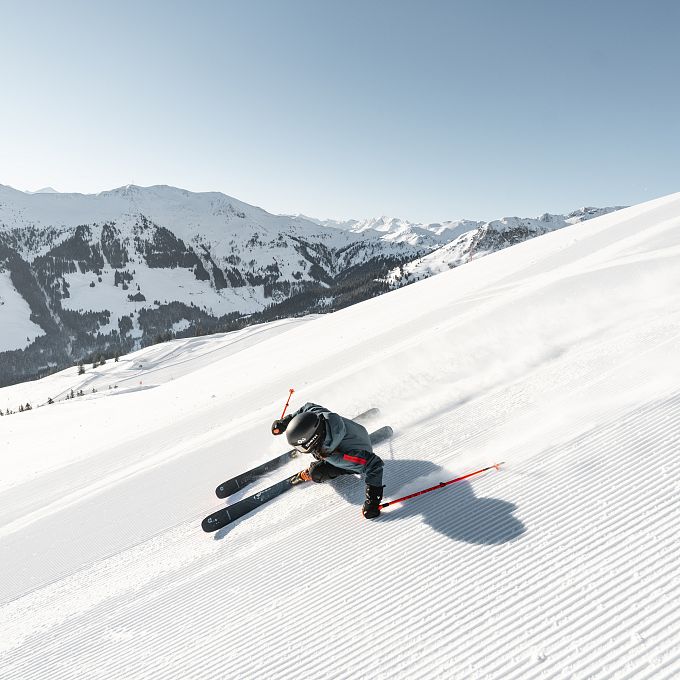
(368, 465)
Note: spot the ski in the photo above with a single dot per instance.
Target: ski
(235, 484)
(233, 512)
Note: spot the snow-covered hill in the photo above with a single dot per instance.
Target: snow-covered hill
(558, 356)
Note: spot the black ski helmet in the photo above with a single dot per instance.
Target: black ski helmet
(306, 431)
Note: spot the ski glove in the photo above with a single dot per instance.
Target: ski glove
(280, 424)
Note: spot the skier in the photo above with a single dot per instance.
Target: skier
(340, 446)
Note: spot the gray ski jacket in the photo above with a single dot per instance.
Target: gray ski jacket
(347, 445)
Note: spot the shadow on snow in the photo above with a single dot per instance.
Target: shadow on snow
(454, 511)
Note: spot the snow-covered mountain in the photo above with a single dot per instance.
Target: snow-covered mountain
(89, 275)
(44, 190)
(394, 229)
(456, 237)
(558, 356)
(484, 238)
(109, 272)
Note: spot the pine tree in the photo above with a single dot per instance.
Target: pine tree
(81, 368)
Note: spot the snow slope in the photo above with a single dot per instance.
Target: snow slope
(18, 330)
(558, 356)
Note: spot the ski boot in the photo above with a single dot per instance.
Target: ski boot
(371, 507)
(303, 476)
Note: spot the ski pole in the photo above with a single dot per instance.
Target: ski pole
(441, 485)
(285, 408)
(290, 394)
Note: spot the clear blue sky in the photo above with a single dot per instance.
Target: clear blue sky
(425, 110)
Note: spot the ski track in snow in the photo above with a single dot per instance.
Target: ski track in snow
(558, 356)
(587, 568)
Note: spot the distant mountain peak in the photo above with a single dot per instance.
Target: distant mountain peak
(44, 190)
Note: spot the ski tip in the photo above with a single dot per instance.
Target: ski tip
(381, 434)
(208, 527)
(224, 492)
(215, 521)
(367, 415)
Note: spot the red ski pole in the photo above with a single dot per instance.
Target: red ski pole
(285, 408)
(441, 485)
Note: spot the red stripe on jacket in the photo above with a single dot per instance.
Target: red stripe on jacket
(355, 459)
